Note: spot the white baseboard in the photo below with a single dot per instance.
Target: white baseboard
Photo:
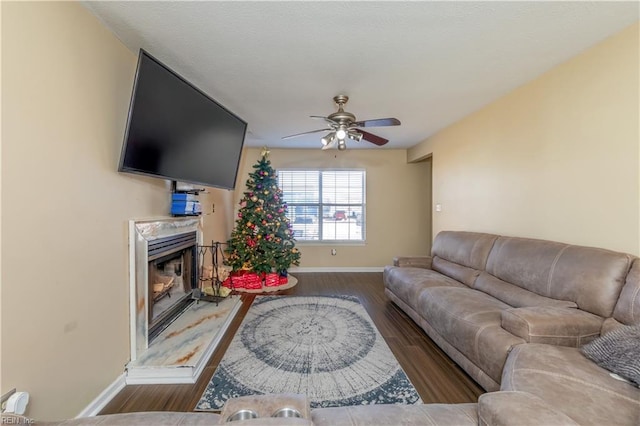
(336, 269)
(103, 399)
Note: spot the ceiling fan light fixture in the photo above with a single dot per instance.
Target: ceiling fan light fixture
(326, 140)
(341, 134)
(355, 136)
(341, 145)
(330, 145)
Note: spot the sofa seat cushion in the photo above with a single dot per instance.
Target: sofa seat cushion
(569, 382)
(470, 321)
(554, 326)
(407, 283)
(387, 415)
(508, 408)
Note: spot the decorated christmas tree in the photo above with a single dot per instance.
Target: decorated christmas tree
(262, 240)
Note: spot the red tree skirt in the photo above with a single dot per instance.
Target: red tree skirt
(250, 282)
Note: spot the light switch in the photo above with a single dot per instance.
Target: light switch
(438, 207)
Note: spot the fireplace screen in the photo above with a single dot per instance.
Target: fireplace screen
(172, 278)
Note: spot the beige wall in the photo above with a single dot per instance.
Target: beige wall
(556, 159)
(397, 207)
(66, 84)
(217, 214)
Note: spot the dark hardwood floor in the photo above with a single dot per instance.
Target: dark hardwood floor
(436, 377)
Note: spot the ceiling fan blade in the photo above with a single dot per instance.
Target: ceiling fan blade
(378, 122)
(370, 137)
(327, 119)
(305, 133)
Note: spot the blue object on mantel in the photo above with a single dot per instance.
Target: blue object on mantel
(183, 196)
(189, 208)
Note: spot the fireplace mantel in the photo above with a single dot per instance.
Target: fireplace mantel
(141, 232)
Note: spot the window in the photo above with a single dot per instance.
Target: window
(325, 205)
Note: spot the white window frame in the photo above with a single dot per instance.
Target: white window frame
(321, 206)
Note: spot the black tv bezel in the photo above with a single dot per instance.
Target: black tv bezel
(121, 166)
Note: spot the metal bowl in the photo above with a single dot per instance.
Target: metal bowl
(287, 412)
(242, 415)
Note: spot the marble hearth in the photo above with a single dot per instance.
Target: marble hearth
(181, 351)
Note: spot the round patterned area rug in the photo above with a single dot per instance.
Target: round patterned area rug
(325, 347)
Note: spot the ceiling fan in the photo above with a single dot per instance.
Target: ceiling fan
(343, 126)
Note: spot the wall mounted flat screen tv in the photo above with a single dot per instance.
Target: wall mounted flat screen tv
(175, 131)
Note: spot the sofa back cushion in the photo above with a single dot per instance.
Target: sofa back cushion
(627, 310)
(458, 272)
(590, 277)
(515, 296)
(461, 255)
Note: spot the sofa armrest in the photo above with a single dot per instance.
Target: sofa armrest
(524, 409)
(413, 261)
(165, 418)
(552, 325)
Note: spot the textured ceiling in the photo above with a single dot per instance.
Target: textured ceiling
(427, 63)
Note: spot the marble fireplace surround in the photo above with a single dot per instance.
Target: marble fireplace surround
(141, 232)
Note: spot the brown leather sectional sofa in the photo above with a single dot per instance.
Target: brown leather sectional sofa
(513, 313)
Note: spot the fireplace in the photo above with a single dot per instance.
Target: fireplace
(163, 274)
(171, 279)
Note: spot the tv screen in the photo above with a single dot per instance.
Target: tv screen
(175, 131)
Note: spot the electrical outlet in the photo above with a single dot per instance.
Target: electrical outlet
(333, 252)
